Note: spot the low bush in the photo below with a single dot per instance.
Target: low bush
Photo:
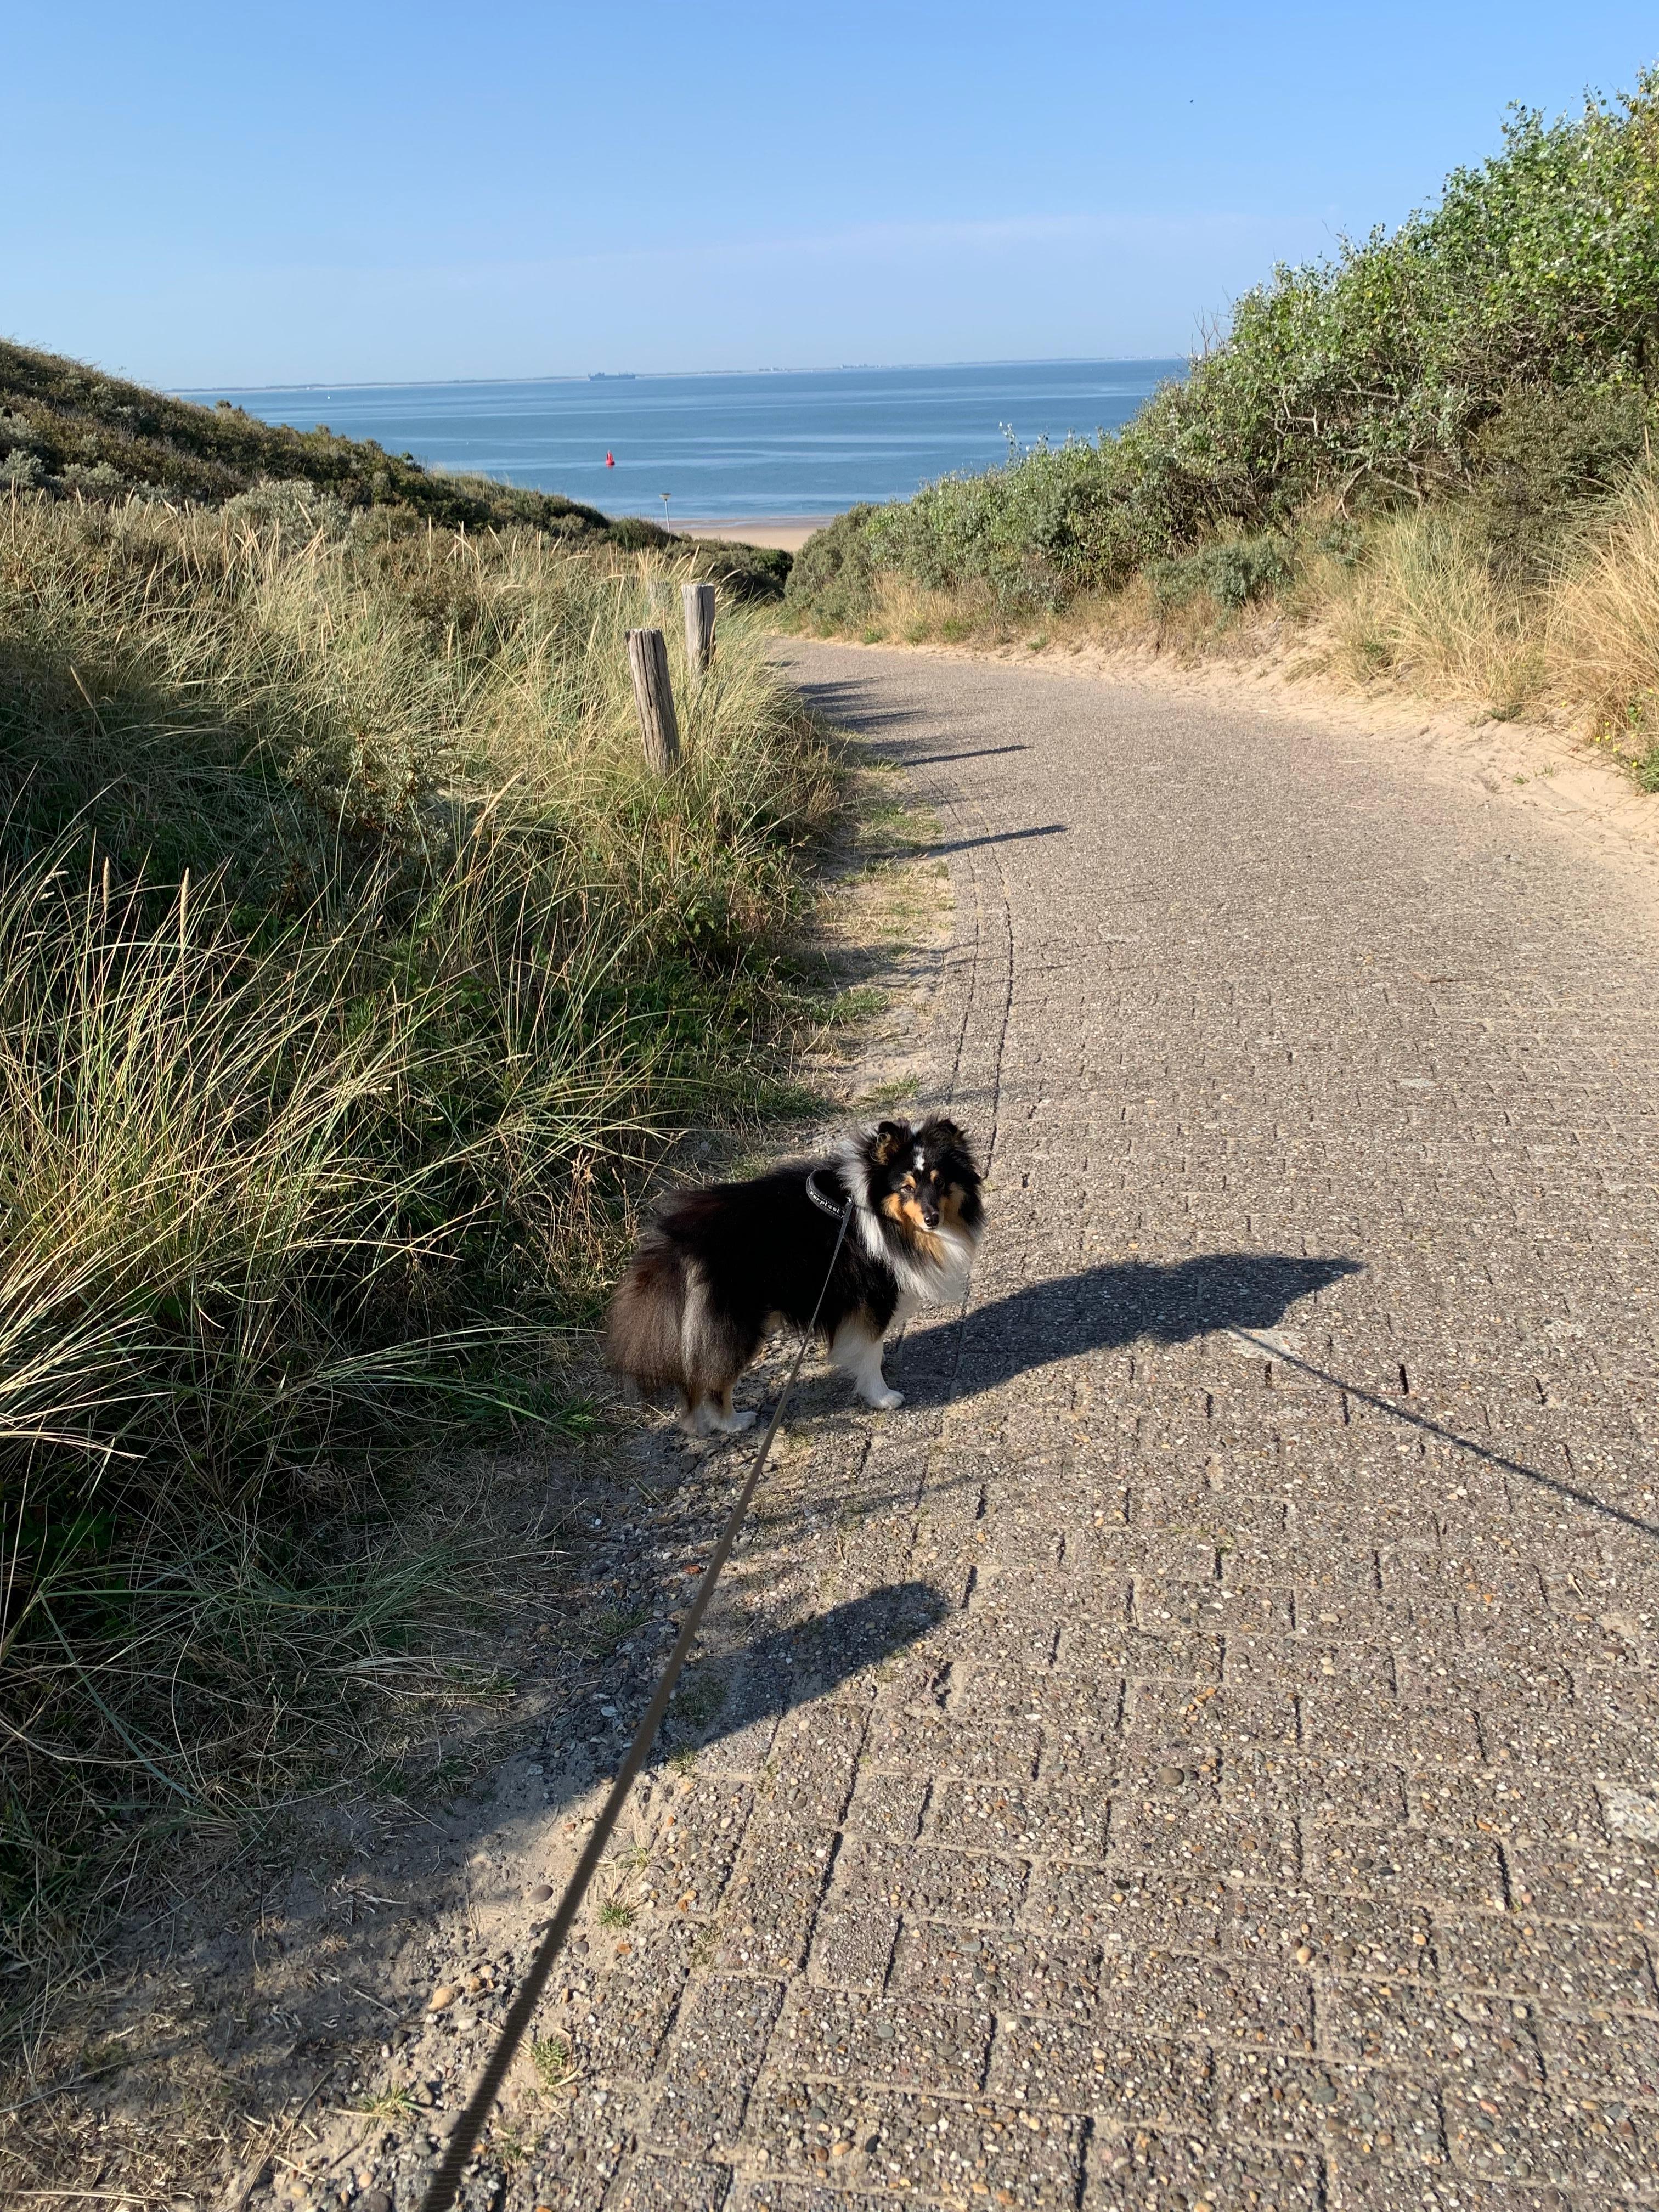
(835, 572)
(1547, 455)
(1233, 572)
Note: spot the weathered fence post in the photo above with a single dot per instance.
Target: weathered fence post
(698, 600)
(653, 696)
(659, 591)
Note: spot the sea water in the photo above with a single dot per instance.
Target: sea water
(781, 442)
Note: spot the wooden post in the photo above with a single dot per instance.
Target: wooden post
(659, 591)
(653, 696)
(698, 600)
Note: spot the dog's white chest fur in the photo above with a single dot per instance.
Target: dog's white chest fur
(924, 1281)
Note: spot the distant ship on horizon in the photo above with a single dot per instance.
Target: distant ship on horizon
(610, 376)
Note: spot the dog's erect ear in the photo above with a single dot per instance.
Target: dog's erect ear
(891, 1139)
(942, 1137)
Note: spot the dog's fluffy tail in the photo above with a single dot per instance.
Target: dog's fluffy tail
(645, 1335)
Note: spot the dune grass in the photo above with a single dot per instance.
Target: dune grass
(1604, 627)
(351, 966)
(1425, 602)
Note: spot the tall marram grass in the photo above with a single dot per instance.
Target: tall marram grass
(348, 960)
(1604, 634)
(1426, 600)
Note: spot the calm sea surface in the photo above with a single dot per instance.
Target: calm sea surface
(780, 443)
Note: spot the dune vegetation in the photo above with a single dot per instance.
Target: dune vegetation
(1437, 446)
(351, 966)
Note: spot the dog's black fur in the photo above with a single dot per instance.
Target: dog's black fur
(721, 1266)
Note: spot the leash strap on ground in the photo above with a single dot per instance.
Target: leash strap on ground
(464, 2137)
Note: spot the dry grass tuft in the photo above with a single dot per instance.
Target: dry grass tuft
(1604, 627)
(905, 611)
(1424, 602)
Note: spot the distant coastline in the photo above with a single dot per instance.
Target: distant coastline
(209, 392)
(768, 449)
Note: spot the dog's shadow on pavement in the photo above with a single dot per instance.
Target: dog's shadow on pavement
(1111, 1307)
(790, 1667)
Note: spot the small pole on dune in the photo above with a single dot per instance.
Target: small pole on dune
(667, 497)
(654, 698)
(698, 601)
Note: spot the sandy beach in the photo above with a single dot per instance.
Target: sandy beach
(791, 531)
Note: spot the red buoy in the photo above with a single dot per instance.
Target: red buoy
(610, 459)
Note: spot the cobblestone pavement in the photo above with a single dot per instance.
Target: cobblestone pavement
(1251, 1800)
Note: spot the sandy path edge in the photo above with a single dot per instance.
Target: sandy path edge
(1537, 765)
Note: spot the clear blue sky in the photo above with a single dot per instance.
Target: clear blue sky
(244, 195)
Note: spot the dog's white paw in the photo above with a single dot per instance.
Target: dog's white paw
(740, 1422)
(884, 1400)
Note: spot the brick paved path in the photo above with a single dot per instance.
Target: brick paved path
(1249, 1800)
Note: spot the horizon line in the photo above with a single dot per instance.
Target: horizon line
(652, 375)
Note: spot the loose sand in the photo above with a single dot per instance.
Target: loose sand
(791, 531)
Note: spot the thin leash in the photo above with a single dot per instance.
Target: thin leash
(464, 2137)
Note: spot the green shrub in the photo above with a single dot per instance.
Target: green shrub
(834, 574)
(1341, 540)
(751, 573)
(1233, 572)
(1547, 452)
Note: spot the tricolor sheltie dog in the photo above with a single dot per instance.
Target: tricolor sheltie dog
(720, 1267)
